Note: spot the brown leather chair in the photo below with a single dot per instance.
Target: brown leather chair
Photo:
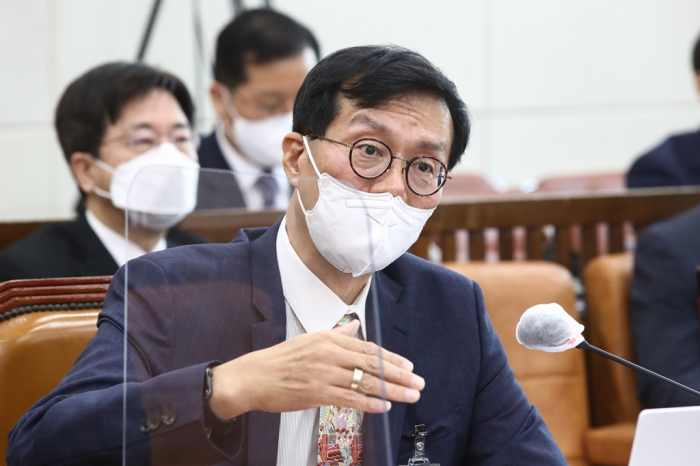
(554, 382)
(44, 325)
(614, 403)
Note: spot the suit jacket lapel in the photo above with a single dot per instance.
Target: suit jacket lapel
(268, 299)
(93, 258)
(216, 189)
(383, 310)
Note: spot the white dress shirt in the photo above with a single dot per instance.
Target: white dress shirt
(117, 246)
(311, 307)
(247, 173)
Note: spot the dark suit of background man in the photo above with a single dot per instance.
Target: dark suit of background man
(112, 119)
(262, 57)
(233, 354)
(676, 162)
(665, 319)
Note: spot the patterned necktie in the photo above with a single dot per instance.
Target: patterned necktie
(340, 429)
(268, 187)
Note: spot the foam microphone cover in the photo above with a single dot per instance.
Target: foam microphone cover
(548, 327)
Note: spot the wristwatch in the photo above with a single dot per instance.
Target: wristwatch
(208, 374)
(212, 422)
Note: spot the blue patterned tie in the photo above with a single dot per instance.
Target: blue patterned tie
(268, 187)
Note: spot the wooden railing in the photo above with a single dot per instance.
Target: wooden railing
(532, 226)
(221, 226)
(546, 221)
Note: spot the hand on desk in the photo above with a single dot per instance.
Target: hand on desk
(312, 370)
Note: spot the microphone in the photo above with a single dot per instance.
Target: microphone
(548, 327)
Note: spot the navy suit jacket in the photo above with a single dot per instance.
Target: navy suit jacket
(665, 320)
(676, 162)
(194, 305)
(216, 190)
(69, 249)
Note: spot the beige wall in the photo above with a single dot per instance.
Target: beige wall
(554, 87)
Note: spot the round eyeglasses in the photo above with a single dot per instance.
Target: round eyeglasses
(371, 158)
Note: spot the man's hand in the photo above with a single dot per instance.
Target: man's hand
(312, 370)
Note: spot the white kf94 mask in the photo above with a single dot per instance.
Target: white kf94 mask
(158, 188)
(260, 141)
(360, 232)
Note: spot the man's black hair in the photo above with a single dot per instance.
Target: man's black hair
(96, 99)
(369, 77)
(696, 56)
(258, 36)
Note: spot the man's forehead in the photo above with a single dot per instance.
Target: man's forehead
(279, 74)
(431, 112)
(417, 102)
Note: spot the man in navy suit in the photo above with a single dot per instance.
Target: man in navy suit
(261, 59)
(242, 353)
(676, 162)
(664, 298)
(111, 121)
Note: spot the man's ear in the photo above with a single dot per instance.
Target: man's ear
(82, 166)
(697, 81)
(217, 101)
(292, 148)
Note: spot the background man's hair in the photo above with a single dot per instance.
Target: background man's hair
(369, 77)
(258, 36)
(696, 56)
(96, 99)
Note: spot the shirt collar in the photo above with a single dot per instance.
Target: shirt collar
(316, 306)
(117, 246)
(248, 172)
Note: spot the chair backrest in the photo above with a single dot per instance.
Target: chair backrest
(612, 386)
(593, 182)
(41, 335)
(555, 383)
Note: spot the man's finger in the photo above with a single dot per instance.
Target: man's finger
(346, 398)
(371, 349)
(349, 360)
(349, 329)
(371, 385)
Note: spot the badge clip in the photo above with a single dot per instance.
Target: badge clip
(419, 458)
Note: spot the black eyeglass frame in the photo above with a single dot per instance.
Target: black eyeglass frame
(404, 170)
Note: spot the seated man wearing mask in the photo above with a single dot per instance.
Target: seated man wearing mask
(111, 122)
(261, 60)
(261, 351)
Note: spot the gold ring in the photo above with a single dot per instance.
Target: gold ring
(356, 378)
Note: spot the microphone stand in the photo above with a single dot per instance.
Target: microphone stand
(587, 346)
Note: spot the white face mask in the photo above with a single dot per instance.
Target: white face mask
(158, 188)
(260, 141)
(360, 232)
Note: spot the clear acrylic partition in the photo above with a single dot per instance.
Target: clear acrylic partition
(211, 303)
